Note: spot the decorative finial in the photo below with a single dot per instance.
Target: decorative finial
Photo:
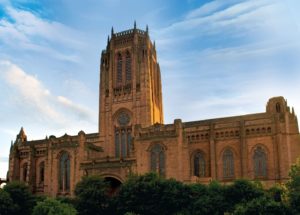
(108, 39)
(147, 29)
(154, 44)
(293, 111)
(112, 31)
(134, 26)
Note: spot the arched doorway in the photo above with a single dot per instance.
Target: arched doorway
(114, 185)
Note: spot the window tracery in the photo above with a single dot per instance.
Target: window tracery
(123, 138)
(64, 172)
(228, 164)
(128, 66)
(199, 165)
(157, 157)
(119, 68)
(260, 162)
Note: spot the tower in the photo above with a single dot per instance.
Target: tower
(130, 89)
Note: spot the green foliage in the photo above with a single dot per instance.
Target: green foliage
(277, 193)
(53, 207)
(293, 186)
(150, 194)
(21, 196)
(242, 191)
(262, 206)
(207, 199)
(91, 195)
(6, 203)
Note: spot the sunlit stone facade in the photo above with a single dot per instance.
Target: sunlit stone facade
(132, 136)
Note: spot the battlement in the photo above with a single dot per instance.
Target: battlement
(130, 32)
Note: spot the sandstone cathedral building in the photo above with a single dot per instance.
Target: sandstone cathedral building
(133, 139)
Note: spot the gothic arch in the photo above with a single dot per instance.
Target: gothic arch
(122, 110)
(128, 66)
(228, 160)
(64, 171)
(259, 160)
(119, 68)
(41, 172)
(111, 175)
(157, 158)
(199, 163)
(123, 133)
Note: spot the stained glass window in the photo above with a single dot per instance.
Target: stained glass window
(157, 159)
(260, 162)
(199, 165)
(128, 66)
(64, 176)
(119, 68)
(228, 164)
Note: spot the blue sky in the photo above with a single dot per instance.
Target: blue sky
(218, 58)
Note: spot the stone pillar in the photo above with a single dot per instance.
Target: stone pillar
(212, 149)
(243, 151)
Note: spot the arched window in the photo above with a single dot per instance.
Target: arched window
(119, 68)
(123, 140)
(199, 165)
(42, 171)
(25, 171)
(278, 108)
(128, 66)
(157, 156)
(260, 162)
(228, 164)
(64, 172)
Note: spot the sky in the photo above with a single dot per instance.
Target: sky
(218, 58)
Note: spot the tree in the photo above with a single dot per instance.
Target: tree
(150, 194)
(53, 207)
(21, 196)
(6, 203)
(262, 206)
(293, 186)
(91, 195)
(242, 191)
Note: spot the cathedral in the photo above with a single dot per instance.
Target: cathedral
(133, 139)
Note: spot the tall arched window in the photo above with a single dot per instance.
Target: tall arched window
(128, 66)
(260, 162)
(64, 172)
(157, 156)
(25, 171)
(123, 140)
(228, 164)
(119, 68)
(42, 172)
(278, 109)
(199, 165)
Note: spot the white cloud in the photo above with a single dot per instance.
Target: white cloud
(21, 29)
(32, 93)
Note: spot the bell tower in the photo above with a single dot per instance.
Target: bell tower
(130, 88)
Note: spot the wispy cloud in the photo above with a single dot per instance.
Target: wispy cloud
(22, 29)
(31, 92)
